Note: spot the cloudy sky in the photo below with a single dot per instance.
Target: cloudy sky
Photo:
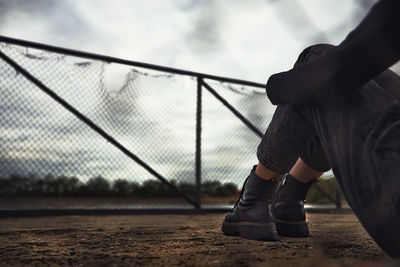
(243, 39)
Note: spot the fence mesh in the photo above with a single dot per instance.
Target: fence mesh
(47, 151)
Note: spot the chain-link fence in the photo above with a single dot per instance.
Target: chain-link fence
(88, 132)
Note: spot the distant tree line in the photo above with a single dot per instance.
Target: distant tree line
(63, 186)
(31, 185)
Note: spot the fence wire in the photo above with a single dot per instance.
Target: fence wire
(45, 149)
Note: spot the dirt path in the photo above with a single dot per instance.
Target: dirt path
(163, 240)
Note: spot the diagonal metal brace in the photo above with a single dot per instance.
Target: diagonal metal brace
(239, 115)
(327, 195)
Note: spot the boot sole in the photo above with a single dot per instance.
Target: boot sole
(292, 229)
(251, 230)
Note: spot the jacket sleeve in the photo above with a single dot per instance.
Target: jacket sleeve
(372, 47)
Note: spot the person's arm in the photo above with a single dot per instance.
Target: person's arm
(372, 47)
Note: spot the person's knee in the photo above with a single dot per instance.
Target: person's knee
(312, 52)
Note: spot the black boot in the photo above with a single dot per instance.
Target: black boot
(251, 216)
(288, 209)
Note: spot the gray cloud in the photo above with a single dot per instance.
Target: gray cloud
(37, 6)
(298, 22)
(60, 17)
(205, 34)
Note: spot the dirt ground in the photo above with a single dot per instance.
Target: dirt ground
(186, 240)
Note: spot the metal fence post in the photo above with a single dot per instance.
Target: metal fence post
(198, 141)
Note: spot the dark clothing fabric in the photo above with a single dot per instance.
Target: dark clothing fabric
(290, 126)
(339, 107)
(359, 139)
(366, 52)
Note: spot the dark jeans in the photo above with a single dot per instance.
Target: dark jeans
(358, 138)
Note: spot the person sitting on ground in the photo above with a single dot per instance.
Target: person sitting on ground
(339, 109)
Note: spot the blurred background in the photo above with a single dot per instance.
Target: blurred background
(45, 151)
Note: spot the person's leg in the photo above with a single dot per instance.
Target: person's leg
(265, 173)
(312, 162)
(288, 208)
(301, 171)
(360, 139)
(304, 173)
(362, 144)
(291, 135)
(286, 138)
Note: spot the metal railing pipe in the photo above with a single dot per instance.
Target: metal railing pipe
(110, 59)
